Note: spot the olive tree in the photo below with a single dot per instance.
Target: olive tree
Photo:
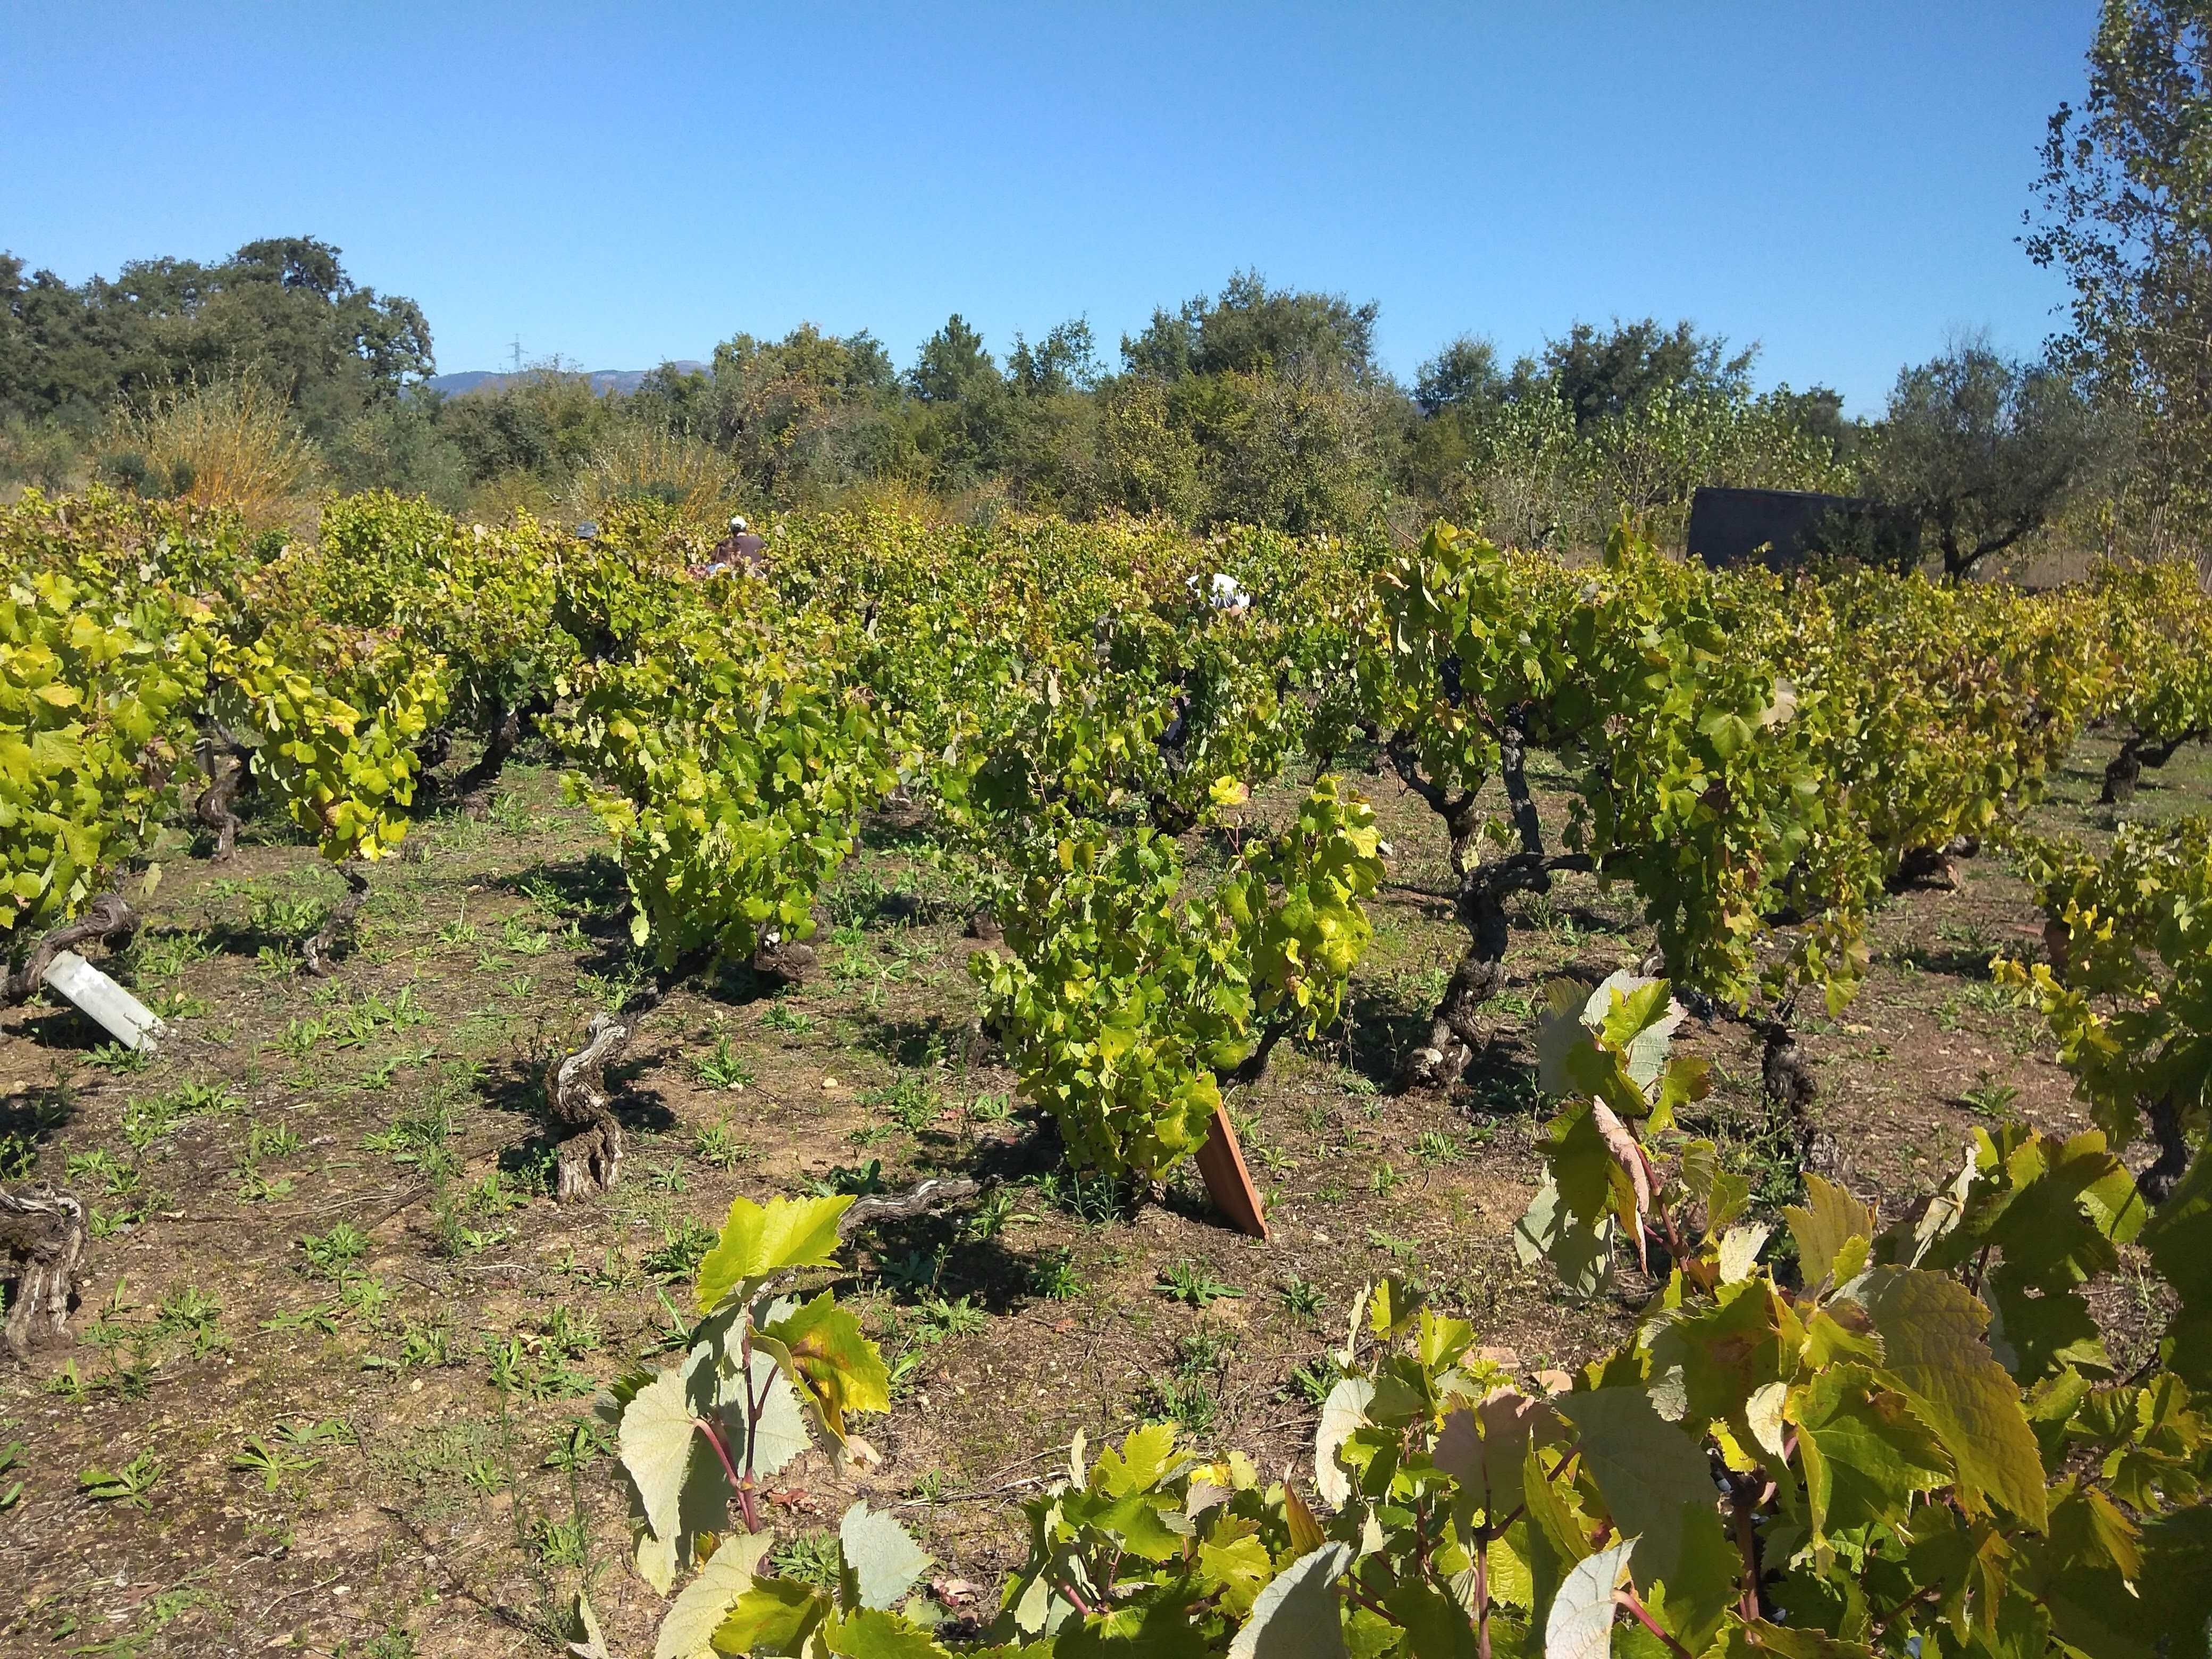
(1980, 451)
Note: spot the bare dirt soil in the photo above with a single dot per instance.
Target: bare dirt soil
(329, 1385)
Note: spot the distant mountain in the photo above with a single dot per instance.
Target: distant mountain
(625, 380)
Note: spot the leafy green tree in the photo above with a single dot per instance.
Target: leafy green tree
(1284, 452)
(546, 421)
(960, 419)
(402, 446)
(283, 309)
(1612, 372)
(1983, 450)
(1147, 462)
(1463, 376)
(1065, 360)
(802, 417)
(1251, 328)
(953, 366)
(1050, 451)
(1817, 413)
(2127, 215)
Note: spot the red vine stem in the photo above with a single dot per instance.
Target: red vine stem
(714, 1439)
(1627, 1598)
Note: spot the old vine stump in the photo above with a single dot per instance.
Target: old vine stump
(321, 952)
(228, 768)
(42, 1233)
(591, 1156)
(107, 917)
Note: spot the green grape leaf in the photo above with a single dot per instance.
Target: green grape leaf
(1654, 1478)
(1580, 1252)
(2032, 1336)
(1638, 1019)
(1568, 1060)
(1725, 1352)
(757, 1242)
(1865, 1453)
(688, 1631)
(1511, 1578)
(1141, 1462)
(1482, 1447)
(872, 1633)
(774, 1615)
(1934, 1353)
(780, 1433)
(1762, 1640)
(1739, 1251)
(1436, 1625)
(1579, 1625)
(1730, 1198)
(2179, 1239)
(1296, 1617)
(654, 1443)
(1697, 1163)
(2088, 1529)
(590, 1642)
(1342, 1414)
(1240, 1568)
(882, 1561)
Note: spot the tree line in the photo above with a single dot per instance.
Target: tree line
(273, 371)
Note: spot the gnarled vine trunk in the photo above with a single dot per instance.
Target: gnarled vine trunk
(1925, 866)
(2157, 1181)
(590, 1155)
(1453, 1034)
(920, 1198)
(1479, 903)
(42, 1237)
(474, 785)
(577, 1097)
(228, 766)
(787, 959)
(1788, 1091)
(1785, 1080)
(434, 748)
(108, 918)
(321, 951)
(2124, 772)
(1461, 816)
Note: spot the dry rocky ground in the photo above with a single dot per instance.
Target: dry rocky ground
(329, 1385)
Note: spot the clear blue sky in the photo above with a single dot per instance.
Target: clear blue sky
(623, 184)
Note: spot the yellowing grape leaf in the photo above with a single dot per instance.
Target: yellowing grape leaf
(688, 1631)
(1931, 1330)
(1830, 1216)
(833, 1360)
(758, 1241)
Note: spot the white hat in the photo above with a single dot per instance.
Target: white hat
(739, 524)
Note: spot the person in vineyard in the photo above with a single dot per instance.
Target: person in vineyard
(741, 549)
